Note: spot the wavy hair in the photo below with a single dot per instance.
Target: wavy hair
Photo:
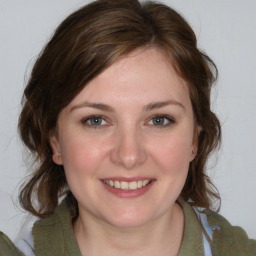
(85, 44)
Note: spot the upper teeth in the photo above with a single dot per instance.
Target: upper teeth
(127, 185)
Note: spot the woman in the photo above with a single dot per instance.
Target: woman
(117, 114)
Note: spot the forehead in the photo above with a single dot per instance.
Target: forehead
(145, 75)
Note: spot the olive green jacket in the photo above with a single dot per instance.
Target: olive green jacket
(54, 236)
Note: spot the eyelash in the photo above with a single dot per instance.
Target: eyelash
(85, 121)
(169, 119)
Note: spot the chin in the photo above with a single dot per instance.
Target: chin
(127, 223)
(128, 219)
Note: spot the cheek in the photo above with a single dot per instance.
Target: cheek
(173, 155)
(81, 156)
(81, 161)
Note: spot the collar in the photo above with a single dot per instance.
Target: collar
(54, 235)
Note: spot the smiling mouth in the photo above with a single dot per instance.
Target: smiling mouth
(124, 185)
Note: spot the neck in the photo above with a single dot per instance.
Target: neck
(162, 236)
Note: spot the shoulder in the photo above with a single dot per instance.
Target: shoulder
(7, 248)
(54, 235)
(25, 244)
(229, 239)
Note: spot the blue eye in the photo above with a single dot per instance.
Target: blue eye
(94, 121)
(161, 121)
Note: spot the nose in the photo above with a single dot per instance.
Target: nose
(128, 150)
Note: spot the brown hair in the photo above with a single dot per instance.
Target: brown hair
(85, 44)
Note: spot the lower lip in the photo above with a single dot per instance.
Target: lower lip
(122, 193)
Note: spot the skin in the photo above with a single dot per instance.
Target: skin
(134, 137)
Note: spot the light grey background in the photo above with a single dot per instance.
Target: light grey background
(225, 30)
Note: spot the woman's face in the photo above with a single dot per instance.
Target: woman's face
(126, 141)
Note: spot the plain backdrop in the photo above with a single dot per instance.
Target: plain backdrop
(226, 30)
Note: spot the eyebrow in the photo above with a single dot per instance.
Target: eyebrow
(161, 104)
(148, 107)
(99, 106)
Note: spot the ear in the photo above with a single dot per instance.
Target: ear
(194, 149)
(56, 154)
